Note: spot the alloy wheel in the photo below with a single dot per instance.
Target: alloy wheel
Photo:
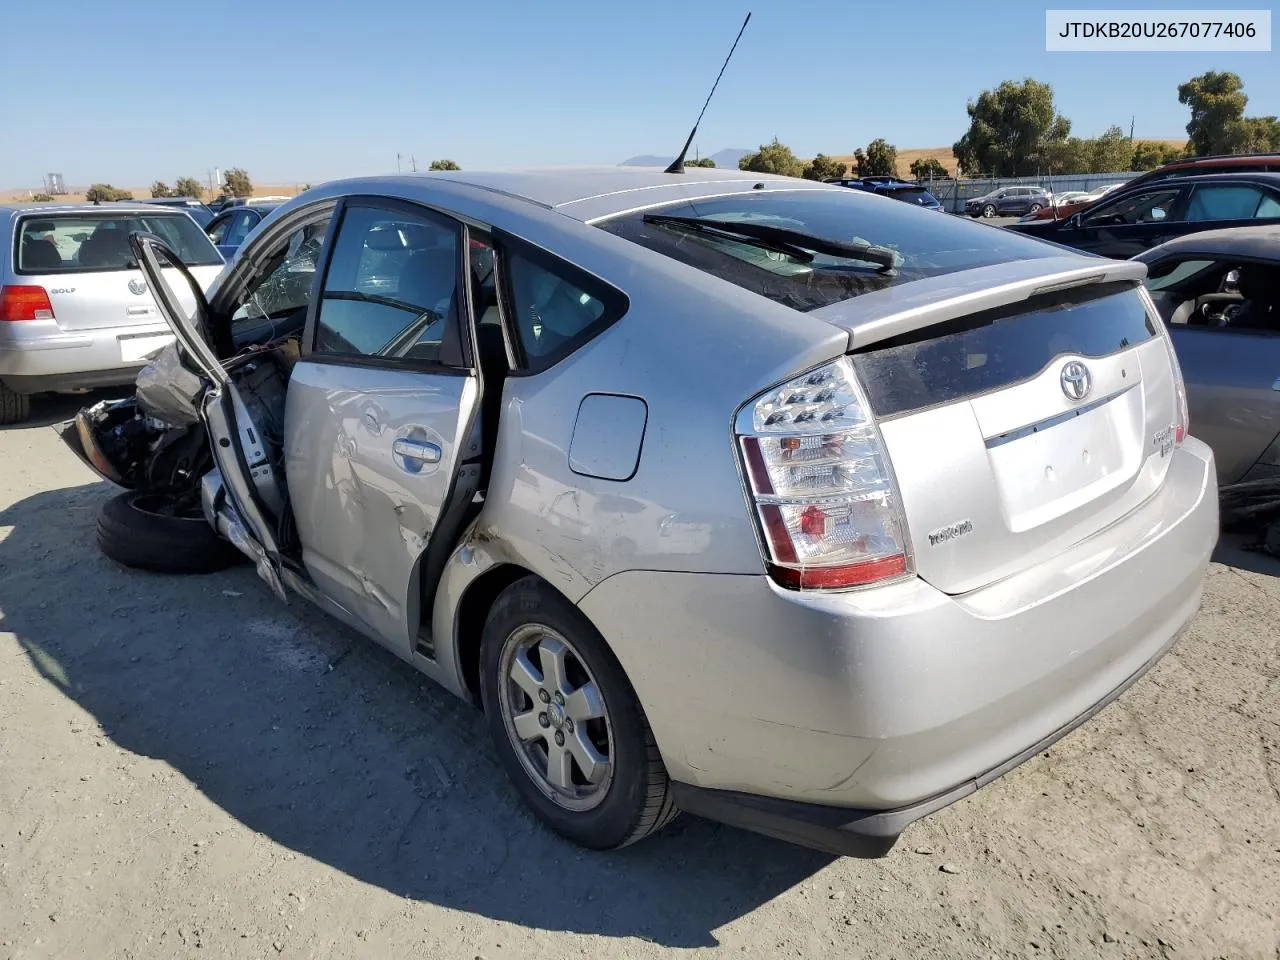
(556, 718)
(989, 211)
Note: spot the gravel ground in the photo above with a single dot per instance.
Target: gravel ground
(189, 768)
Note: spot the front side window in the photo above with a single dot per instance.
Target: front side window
(1225, 203)
(391, 286)
(240, 225)
(1139, 208)
(218, 231)
(99, 243)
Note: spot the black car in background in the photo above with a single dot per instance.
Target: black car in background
(1136, 218)
(892, 187)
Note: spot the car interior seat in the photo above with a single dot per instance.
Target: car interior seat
(107, 246)
(40, 253)
(1260, 288)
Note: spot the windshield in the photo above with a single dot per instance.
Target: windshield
(99, 243)
(925, 245)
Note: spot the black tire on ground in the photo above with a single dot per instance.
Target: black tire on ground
(140, 530)
(1035, 208)
(638, 801)
(989, 211)
(14, 407)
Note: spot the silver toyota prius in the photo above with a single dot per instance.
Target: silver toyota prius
(767, 500)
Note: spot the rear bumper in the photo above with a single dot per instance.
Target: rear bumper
(895, 701)
(37, 356)
(850, 832)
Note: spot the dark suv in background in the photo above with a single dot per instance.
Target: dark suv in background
(895, 189)
(1009, 202)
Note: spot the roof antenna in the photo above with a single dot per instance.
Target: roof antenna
(677, 165)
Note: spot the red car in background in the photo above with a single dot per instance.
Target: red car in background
(1235, 163)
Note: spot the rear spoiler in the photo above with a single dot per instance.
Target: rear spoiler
(901, 309)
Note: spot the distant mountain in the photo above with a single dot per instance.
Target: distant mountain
(723, 158)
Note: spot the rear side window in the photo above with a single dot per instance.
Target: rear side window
(390, 290)
(1225, 203)
(556, 308)
(925, 246)
(99, 243)
(913, 196)
(998, 348)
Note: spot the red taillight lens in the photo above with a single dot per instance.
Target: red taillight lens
(828, 504)
(24, 303)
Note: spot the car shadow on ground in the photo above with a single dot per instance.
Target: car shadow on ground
(1233, 551)
(328, 745)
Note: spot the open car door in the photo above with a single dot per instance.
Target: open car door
(251, 484)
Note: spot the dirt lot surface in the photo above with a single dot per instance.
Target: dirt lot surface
(189, 768)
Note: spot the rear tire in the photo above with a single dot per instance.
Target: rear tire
(1035, 208)
(142, 531)
(634, 798)
(14, 407)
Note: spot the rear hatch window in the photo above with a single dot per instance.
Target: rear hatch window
(993, 349)
(923, 246)
(99, 243)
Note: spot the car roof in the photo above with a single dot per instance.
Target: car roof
(1256, 243)
(110, 207)
(1234, 177)
(613, 189)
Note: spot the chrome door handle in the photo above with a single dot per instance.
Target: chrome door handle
(416, 450)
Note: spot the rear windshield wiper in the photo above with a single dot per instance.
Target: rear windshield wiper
(886, 258)
(729, 230)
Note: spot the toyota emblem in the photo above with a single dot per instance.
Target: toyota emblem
(1076, 381)
(137, 286)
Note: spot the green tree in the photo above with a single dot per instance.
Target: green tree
(237, 183)
(1110, 153)
(105, 193)
(882, 158)
(1217, 101)
(772, 157)
(1068, 155)
(42, 197)
(1008, 129)
(822, 167)
(444, 165)
(861, 166)
(187, 187)
(1254, 135)
(701, 162)
(1148, 155)
(927, 167)
(160, 189)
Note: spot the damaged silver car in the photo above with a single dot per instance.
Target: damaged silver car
(764, 499)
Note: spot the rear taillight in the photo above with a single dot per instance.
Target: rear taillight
(24, 303)
(821, 483)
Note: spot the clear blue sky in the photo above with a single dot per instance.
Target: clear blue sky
(331, 88)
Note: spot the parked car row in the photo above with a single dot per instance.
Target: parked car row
(781, 505)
